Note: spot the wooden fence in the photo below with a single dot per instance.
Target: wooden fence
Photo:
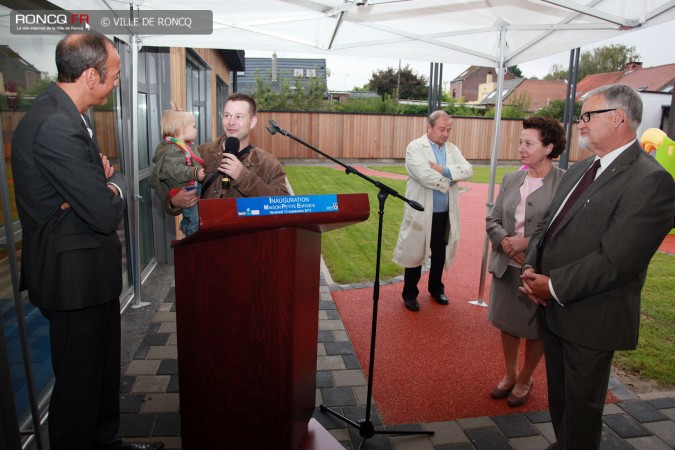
(104, 123)
(344, 136)
(385, 136)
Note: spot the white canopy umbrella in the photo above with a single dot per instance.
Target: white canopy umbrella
(464, 31)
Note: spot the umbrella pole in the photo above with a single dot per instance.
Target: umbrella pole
(493, 163)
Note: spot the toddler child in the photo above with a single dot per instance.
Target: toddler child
(178, 163)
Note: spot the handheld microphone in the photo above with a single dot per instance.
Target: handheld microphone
(231, 145)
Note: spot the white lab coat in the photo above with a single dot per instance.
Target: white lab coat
(414, 237)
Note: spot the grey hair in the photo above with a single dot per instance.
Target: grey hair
(622, 97)
(434, 116)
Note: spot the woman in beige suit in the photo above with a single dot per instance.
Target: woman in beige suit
(523, 199)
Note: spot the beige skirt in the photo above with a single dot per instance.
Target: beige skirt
(509, 310)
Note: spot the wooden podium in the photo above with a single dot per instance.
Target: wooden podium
(247, 305)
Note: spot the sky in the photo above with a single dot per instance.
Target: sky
(653, 44)
(346, 72)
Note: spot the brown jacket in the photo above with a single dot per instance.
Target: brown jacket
(261, 176)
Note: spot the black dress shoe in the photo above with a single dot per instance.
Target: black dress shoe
(411, 303)
(142, 445)
(440, 298)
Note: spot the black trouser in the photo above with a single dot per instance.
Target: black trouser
(84, 410)
(577, 385)
(439, 229)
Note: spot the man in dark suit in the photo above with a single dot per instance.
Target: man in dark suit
(587, 261)
(70, 203)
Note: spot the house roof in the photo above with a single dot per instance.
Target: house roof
(471, 69)
(466, 73)
(658, 78)
(235, 59)
(7, 52)
(507, 88)
(539, 92)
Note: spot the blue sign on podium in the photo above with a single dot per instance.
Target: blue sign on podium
(294, 204)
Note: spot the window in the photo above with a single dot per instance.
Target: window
(297, 72)
(222, 91)
(311, 73)
(198, 94)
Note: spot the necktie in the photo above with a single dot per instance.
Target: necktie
(583, 184)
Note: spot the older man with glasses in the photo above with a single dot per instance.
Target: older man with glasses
(586, 264)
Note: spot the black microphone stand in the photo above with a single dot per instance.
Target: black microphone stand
(365, 426)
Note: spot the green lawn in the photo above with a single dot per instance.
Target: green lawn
(655, 355)
(350, 255)
(481, 174)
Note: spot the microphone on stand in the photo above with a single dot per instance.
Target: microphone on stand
(231, 145)
(415, 205)
(274, 128)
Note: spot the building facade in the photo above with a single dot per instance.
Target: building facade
(466, 84)
(277, 72)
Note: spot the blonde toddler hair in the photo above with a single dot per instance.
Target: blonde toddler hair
(173, 120)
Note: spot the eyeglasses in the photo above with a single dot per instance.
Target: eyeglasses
(586, 117)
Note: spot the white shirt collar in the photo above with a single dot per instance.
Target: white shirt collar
(609, 158)
(91, 132)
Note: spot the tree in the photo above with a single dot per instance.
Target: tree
(557, 72)
(608, 58)
(361, 88)
(307, 96)
(515, 70)
(520, 100)
(556, 109)
(413, 86)
(457, 107)
(40, 86)
(387, 105)
(515, 107)
(13, 98)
